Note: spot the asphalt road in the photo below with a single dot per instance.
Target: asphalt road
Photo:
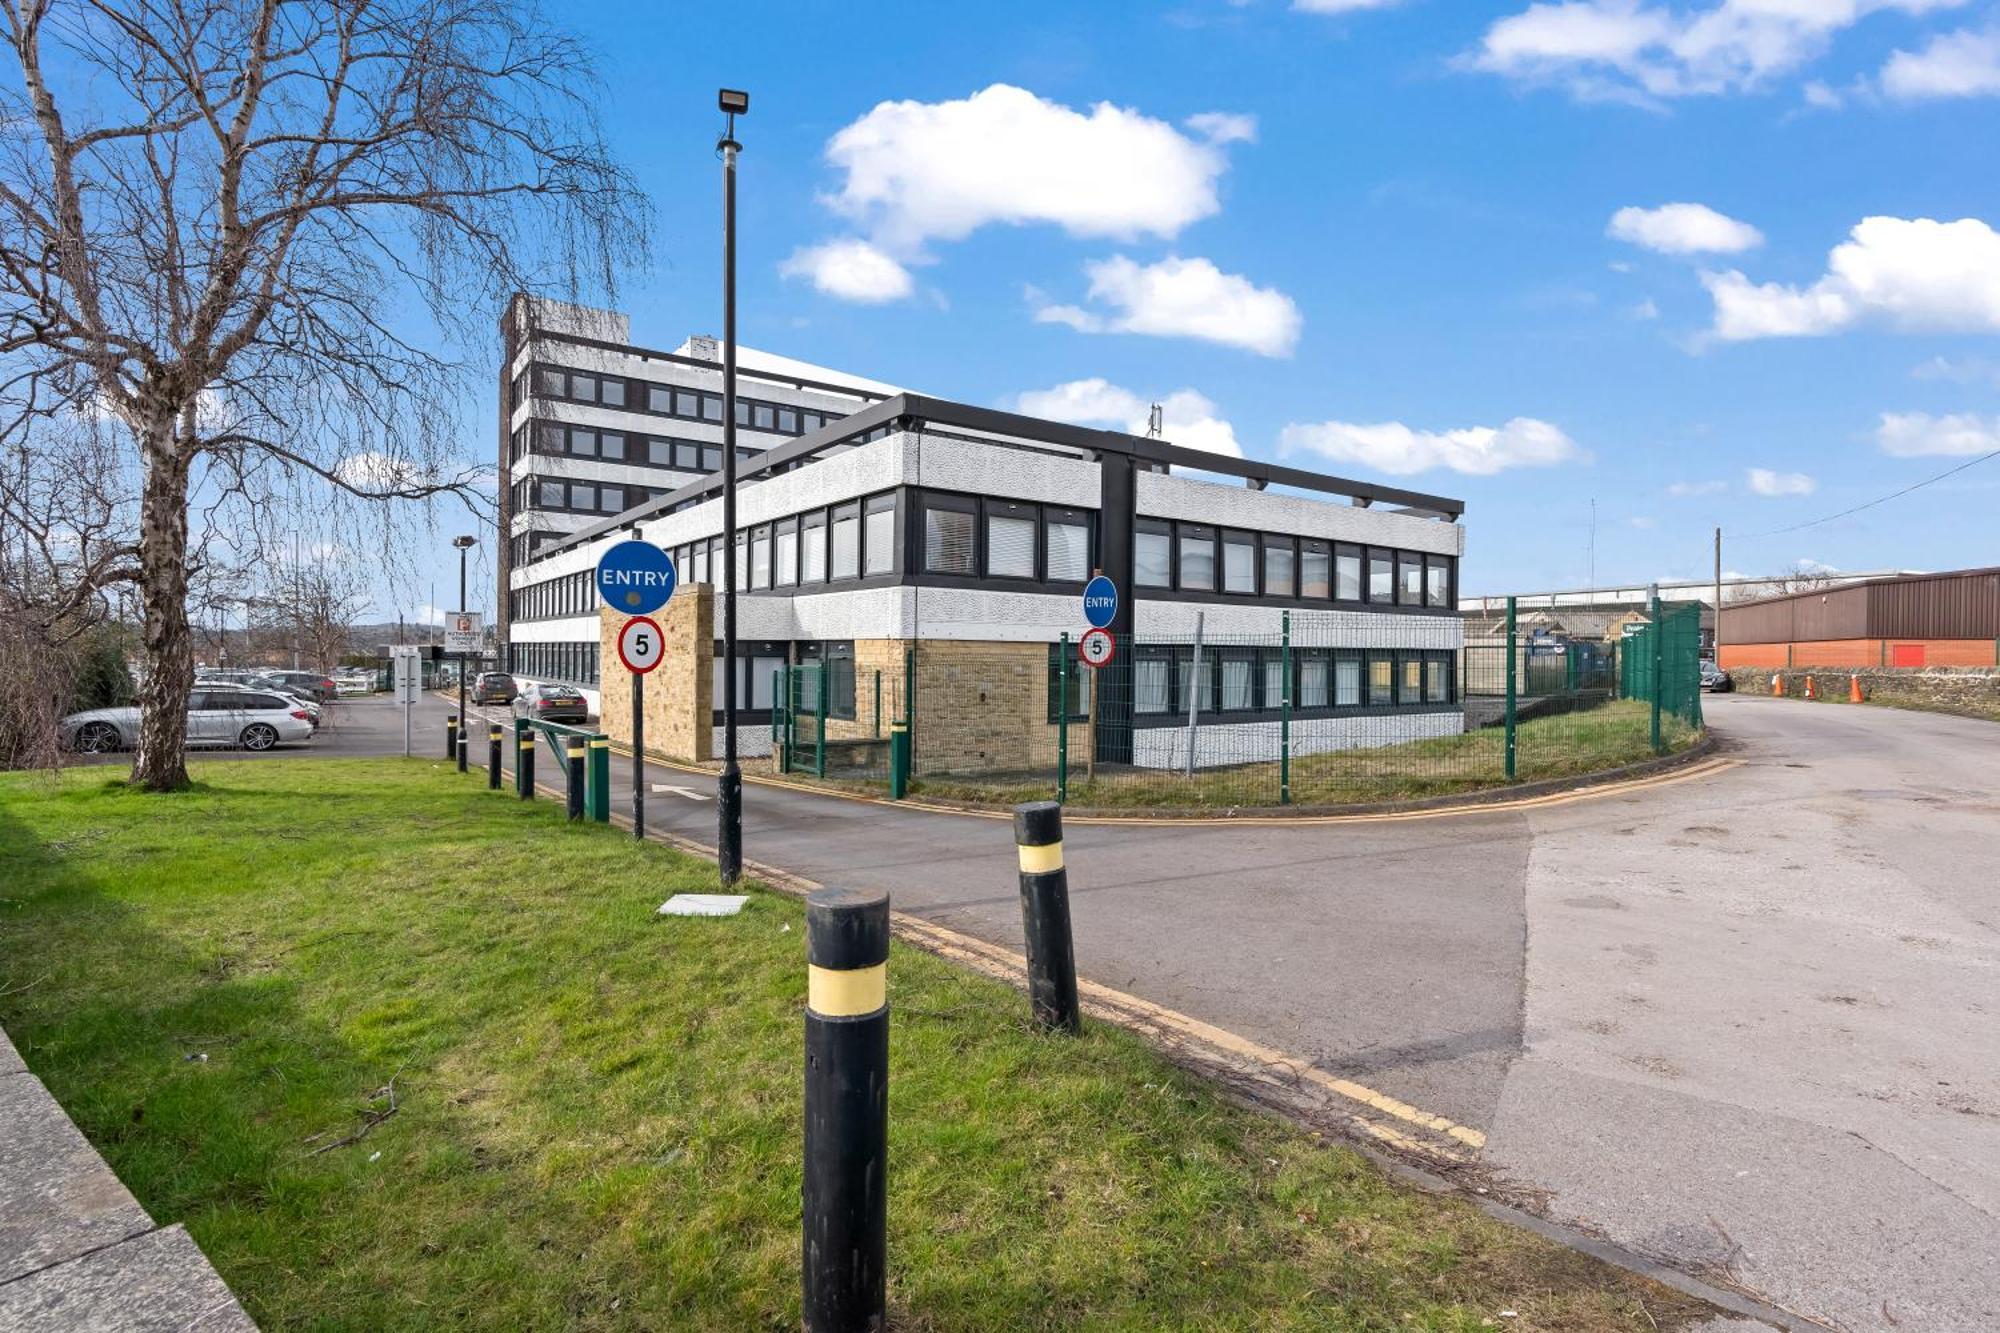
(1744, 1024)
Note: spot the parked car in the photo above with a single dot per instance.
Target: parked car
(260, 683)
(354, 682)
(494, 687)
(313, 685)
(1715, 679)
(552, 703)
(218, 714)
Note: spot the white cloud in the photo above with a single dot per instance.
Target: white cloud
(1956, 64)
(922, 171)
(1683, 229)
(1921, 435)
(1763, 481)
(1959, 370)
(1913, 274)
(1187, 417)
(852, 270)
(1626, 50)
(1221, 127)
(1341, 6)
(1682, 490)
(1822, 97)
(1395, 448)
(1184, 298)
(1644, 310)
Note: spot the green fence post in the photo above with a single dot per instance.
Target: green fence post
(1285, 710)
(788, 682)
(878, 703)
(1062, 719)
(819, 717)
(598, 787)
(1659, 648)
(909, 710)
(1513, 649)
(899, 760)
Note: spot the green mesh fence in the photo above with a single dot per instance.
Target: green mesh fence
(1326, 713)
(1663, 659)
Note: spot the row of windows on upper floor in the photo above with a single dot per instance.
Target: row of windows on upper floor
(628, 394)
(564, 495)
(553, 439)
(1016, 542)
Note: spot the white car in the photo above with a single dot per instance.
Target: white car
(351, 683)
(229, 715)
(312, 710)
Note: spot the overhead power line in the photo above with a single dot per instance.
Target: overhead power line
(1880, 500)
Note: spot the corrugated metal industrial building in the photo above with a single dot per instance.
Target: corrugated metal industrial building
(1916, 620)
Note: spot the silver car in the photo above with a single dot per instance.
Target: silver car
(227, 715)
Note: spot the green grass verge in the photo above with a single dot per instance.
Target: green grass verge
(1592, 740)
(598, 1121)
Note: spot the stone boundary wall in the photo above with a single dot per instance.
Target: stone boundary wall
(77, 1252)
(1973, 691)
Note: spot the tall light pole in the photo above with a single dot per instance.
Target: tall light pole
(464, 544)
(729, 786)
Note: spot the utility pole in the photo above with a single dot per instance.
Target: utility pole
(729, 783)
(1715, 639)
(463, 544)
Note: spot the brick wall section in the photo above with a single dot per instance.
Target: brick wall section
(1855, 654)
(1974, 691)
(984, 708)
(680, 691)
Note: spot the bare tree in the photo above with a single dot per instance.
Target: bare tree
(234, 232)
(1799, 577)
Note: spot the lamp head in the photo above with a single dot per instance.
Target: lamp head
(463, 542)
(733, 102)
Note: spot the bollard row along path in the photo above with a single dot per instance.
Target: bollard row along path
(77, 1252)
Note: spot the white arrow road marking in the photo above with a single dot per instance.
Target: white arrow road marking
(688, 792)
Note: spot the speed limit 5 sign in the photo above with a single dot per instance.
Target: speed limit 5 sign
(641, 645)
(1096, 647)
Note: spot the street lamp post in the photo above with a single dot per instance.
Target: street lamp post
(464, 544)
(729, 785)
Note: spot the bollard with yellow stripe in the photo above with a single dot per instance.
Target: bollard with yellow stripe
(1045, 917)
(451, 736)
(493, 735)
(846, 1202)
(573, 750)
(524, 762)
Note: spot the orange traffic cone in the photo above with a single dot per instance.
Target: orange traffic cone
(1811, 693)
(1854, 690)
(1777, 686)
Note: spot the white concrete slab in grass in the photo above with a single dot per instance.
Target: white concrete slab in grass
(703, 904)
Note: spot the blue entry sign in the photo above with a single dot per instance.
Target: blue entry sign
(1100, 602)
(635, 577)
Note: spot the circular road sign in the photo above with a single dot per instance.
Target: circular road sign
(641, 645)
(635, 577)
(1100, 602)
(1096, 647)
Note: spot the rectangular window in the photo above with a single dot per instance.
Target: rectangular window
(1347, 573)
(659, 398)
(549, 382)
(1153, 557)
(742, 560)
(949, 541)
(1315, 564)
(1149, 684)
(1410, 679)
(660, 453)
(846, 563)
(698, 563)
(1237, 691)
(1239, 564)
(1313, 682)
(1381, 577)
(611, 392)
(878, 535)
(812, 548)
(611, 499)
(1437, 679)
(1197, 552)
(788, 420)
(711, 410)
(760, 557)
(1010, 540)
(1280, 567)
(1274, 681)
(763, 416)
(1437, 581)
(582, 497)
(582, 443)
(553, 495)
(1381, 679)
(711, 458)
(785, 554)
(1409, 578)
(1201, 688)
(1347, 682)
(583, 388)
(1066, 546)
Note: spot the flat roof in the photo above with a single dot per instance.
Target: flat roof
(1008, 430)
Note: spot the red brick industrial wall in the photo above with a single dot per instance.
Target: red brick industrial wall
(1861, 653)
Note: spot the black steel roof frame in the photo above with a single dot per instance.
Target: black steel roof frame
(920, 409)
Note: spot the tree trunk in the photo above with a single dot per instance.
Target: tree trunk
(161, 761)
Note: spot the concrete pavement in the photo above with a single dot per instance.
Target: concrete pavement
(1742, 1024)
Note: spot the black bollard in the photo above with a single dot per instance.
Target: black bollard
(847, 1111)
(575, 750)
(451, 736)
(493, 734)
(1045, 916)
(524, 765)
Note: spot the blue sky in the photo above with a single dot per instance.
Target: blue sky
(1381, 242)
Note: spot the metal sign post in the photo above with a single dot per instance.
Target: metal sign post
(409, 680)
(641, 647)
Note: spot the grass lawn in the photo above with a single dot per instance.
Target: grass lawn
(1591, 740)
(598, 1111)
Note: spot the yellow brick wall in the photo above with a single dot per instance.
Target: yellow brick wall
(680, 691)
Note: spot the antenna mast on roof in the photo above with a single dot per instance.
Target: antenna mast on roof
(1154, 422)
